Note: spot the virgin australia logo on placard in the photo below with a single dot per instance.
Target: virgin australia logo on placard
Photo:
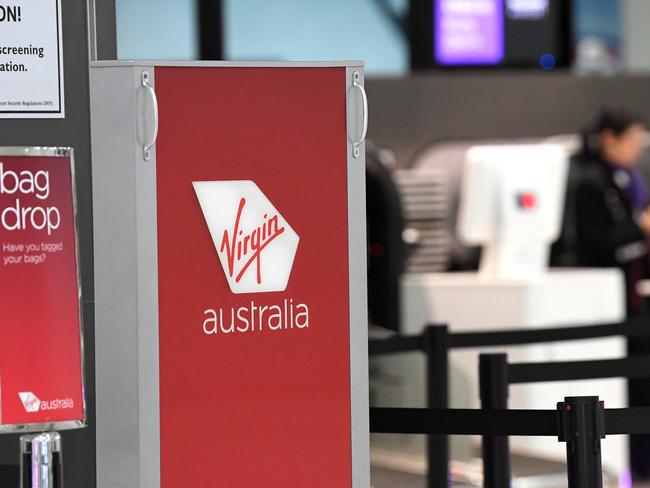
(30, 401)
(256, 248)
(255, 244)
(32, 404)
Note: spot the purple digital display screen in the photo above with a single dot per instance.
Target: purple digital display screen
(527, 9)
(469, 32)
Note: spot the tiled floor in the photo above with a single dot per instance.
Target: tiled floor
(387, 478)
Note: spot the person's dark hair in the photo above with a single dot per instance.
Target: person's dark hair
(617, 120)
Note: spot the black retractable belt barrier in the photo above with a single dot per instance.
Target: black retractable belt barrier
(625, 421)
(435, 347)
(581, 422)
(632, 327)
(632, 367)
(395, 345)
(632, 420)
(493, 380)
(456, 421)
(436, 343)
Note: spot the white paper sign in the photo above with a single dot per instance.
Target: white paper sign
(31, 59)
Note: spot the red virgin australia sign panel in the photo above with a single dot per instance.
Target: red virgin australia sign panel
(40, 347)
(253, 278)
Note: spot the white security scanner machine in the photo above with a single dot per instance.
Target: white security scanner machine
(511, 204)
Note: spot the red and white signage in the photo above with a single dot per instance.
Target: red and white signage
(230, 275)
(253, 278)
(255, 243)
(41, 373)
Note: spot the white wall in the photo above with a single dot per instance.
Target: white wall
(315, 30)
(156, 29)
(636, 35)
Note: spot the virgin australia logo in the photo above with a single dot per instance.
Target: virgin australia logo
(32, 404)
(30, 401)
(255, 244)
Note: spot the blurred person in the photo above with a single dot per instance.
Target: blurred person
(613, 229)
(612, 199)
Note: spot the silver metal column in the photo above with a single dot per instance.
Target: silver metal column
(41, 461)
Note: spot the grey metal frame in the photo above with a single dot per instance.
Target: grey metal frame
(126, 285)
(359, 399)
(126, 274)
(148, 64)
(63, 152)
(91, 12)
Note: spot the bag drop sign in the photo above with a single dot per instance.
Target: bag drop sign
(20, 216)
(31, 59)
(39, 310)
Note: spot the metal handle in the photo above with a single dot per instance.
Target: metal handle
(146, 84)
(356, 83)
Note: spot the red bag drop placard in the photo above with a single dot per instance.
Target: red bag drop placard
(41, 372)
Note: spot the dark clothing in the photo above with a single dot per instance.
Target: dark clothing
(608, 200)
(606, 220)
(607, 232)
(631, 180)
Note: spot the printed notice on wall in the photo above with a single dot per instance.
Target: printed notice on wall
(31, 59)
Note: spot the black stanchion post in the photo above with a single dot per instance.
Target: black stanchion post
(493, 379)
(581, 424)
(436, 348)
